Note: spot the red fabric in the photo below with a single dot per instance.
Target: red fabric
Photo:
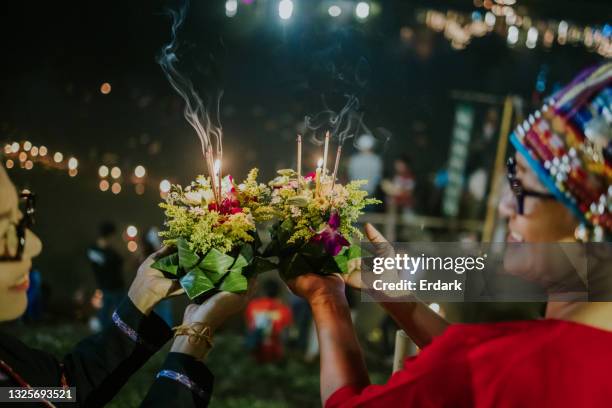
(280, 315)
(545, 363)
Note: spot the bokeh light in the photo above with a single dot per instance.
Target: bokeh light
(164, 186)
(73, 163)
(58, 157)
(23, 156)
(15, 147)
(140, 171)
(34, 151)
(104, 185)
(10, 164)
(115, 172)
(285, 9)
(131, 231)
(139, 189)
(73, 172)
(132, 246)
(103, 171)
(42, 151)
(231, 8)
(27, 146)
(362, 10)
(334, 11)
(105, 88)
(116, 188)
(29, 165)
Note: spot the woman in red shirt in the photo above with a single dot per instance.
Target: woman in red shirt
(560, 180)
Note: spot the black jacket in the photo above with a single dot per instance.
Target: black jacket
(101, 364)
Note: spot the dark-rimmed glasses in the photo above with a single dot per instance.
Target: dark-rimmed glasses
(518, 190)
(14, 238)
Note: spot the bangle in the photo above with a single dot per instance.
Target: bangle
(197, 332)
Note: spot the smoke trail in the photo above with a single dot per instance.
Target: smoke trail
(342, 125)
(195, 110)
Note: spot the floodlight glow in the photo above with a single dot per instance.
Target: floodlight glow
(513, 35)
(362, 10)
(285, 9)
(231, 8)
(334, 11)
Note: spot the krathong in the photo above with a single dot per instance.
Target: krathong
(315, 218)
(214, 231)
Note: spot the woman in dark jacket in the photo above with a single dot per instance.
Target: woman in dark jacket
(101, 364)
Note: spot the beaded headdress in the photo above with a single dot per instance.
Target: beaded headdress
(568, 143)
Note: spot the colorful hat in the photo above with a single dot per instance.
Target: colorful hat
(568, 143)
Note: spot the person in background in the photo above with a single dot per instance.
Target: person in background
(267, 319)
(400, 188)
(107, 265)
(366, 165)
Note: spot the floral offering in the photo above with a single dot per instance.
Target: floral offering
(315, 220)
(213, 227)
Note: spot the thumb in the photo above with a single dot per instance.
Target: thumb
(381, 245)
(374, 235)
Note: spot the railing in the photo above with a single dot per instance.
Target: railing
(389, 221)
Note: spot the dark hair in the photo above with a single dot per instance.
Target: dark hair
(106, 229)
(271, 288)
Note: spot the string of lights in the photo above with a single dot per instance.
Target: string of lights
(502, 17)
(25, 155)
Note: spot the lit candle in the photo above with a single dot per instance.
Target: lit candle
(318, 176)
(299, 160)
(325, 152)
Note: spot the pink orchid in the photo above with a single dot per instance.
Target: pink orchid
(331, 239)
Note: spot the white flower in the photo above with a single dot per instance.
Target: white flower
(207, 195)
(193, 197)
(197, 210)
(295, 211)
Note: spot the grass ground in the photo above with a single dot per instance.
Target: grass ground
(239, 380)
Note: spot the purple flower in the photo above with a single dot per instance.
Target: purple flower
(331, 239)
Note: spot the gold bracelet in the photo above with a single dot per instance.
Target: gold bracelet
(197, 332)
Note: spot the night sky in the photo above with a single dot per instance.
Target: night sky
(57, 54)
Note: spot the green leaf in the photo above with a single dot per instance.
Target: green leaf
(247, 252)
(216, 261)
(214, 276)
(298, 201)
(240, 263)
(168, 264)
(354, 251)
(234, 282)
(285, 230)
(196, 283)
(187, 258)
(342, 262)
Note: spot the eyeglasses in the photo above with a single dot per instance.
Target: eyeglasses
(518, 190)
(14, 238)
